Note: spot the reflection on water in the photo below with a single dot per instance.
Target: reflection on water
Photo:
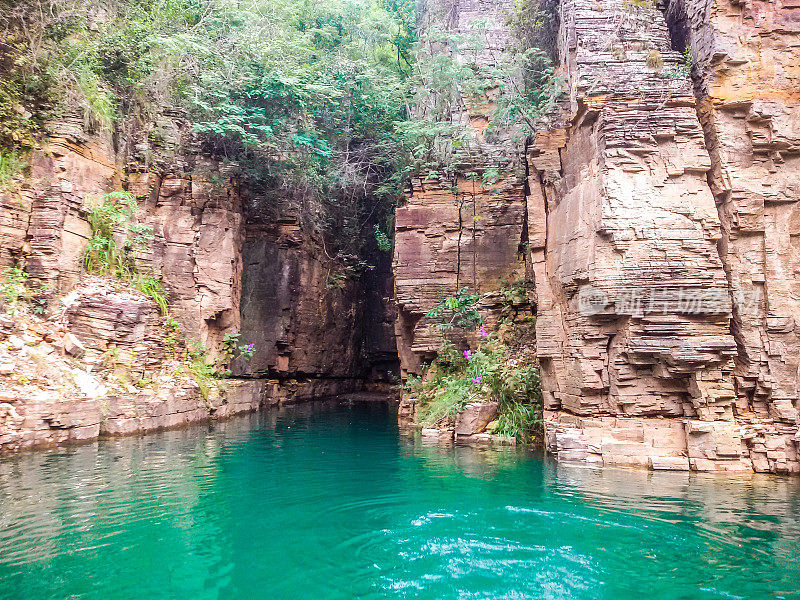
(322, 501)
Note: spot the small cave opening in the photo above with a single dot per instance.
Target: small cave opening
(678, 24)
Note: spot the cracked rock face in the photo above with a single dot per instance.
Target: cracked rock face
(446, 240)
(748, 87)
(222, 276)
(198, 234)
(664, 258)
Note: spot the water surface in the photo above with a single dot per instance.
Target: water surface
(330, 502)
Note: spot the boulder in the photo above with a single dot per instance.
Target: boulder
(73, 346)
(475, 417)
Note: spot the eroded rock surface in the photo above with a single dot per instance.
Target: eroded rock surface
(300, 311)
(475, 417)
(664, 265)
(198, 230)
(447, 241)
(107, 367)
(100, 367)
(660, 219)
(748, 86)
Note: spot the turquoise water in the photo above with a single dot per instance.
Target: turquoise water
(330, 502)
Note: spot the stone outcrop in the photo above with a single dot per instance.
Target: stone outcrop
(445, 241)
(42, 221)
(123, 323)
(198, 231)
(637, 266)
(100, 368)
(475, 417)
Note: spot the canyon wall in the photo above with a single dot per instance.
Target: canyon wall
(303, 315)
(665, 279)
(660, 218)
(99, 362)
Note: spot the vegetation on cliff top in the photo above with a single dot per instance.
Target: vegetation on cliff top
(300, 96)
(310, 97)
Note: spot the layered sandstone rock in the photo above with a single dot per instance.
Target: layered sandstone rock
(197, 225)
(475, 417)
(445, 240)
(42, 221)
(747, 79)
(303, 314)
(198, 231)
(300, 310)
(632, 259)
(120, 382)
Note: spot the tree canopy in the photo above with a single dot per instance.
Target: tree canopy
(311, 96)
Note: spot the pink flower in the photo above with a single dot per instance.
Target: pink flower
(467, 354)
(482, 331)
(478, 379)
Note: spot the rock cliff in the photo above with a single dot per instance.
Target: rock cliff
(659, 213)
(456, 231)
(98, 365)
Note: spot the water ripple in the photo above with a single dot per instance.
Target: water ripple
(330, 503)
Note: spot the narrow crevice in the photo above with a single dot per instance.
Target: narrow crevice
(458, 246)
(524, 247)
(474, 240)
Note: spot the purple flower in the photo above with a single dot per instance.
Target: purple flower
(467, 354)
(482, 331)
(478, 379)
(251, 346)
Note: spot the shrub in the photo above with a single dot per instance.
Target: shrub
(153, 287)
(110, 220)
(206, 371)
(654, 60)
(459, 310)
(489, 373)
(233, 349)
(444, 399)
(13, 287)
(115, 241)
(12, 162)
(202, 371)
(497, 370)
(382, 239)
(490, 176)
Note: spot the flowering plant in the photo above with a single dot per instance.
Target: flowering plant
(232, 349)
